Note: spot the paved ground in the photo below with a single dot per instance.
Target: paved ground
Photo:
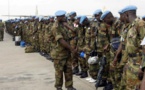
(22, 71)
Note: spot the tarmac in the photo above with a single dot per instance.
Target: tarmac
(29, 71)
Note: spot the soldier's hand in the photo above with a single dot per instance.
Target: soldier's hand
(74, 52)
(106, 48)
(115, 61)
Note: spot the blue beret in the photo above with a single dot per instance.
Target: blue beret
(97, 12)
(71, 13)
(82, 19)
(60, 13)
(143, 16)
(104, 15)
(128, 8)
(36, 17)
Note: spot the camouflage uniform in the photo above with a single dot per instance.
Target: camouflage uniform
(80, 46)
(1, 31)
(50, 37)
(73, 43)
(115, 74)
(134, 36)
(124, 57)
(61, 56)
(41, 28)
(102, 41)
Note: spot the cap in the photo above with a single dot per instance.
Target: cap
(71, 13)
(97, 12)
(104, 15)
(128, 8)
(82, 19)
(60, 13)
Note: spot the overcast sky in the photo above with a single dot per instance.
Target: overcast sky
(82, 7)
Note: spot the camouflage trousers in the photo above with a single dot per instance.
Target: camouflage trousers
(93, 70)
(73, 44)
(83, 64)
(1, 35)
(132, 80)
(63, 66)
(35, 43)
(121, 66)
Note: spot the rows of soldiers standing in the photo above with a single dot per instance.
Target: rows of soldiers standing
(77, 46)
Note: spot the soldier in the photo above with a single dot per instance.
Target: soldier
(93, 68)
(50, 37)
(73, 41)
(41, 36)
(1, 30)
(113, 32)
(121, 50)
(61, 53)
(135, 34)
(143, 65)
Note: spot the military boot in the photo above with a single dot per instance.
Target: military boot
(76, 70)
(109, 86)
(84, 75)
(71, 88)
(79, 73)
(102, 83)
(58, 88)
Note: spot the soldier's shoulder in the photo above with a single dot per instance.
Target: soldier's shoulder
(140, 22)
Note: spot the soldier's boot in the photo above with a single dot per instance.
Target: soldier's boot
(102, 83)
(58, 88)
(84, 75)
(76, 70)
(71, 88)
(109, 86)
(79, 73)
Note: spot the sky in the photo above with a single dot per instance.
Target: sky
(49, 7)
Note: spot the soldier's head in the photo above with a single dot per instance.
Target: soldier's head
(97, 14)
(72, 15)
(84, 21)
(143, 18)
(36, 18)
(60, 15)
(51, 18)
(77, 19)
(107, 17)
(129, 13)
(121, 15)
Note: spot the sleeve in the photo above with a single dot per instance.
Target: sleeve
(57, 33)
(141, 29)
(143, 62)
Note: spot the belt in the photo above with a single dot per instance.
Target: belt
(134, 54)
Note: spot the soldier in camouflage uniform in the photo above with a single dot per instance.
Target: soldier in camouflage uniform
(61, 53)
(135, 34)
(73, 40)
(113, 33)
(1, 30)
(41, 28)
(46, 34)
(102, 42)
(143, 65)
(93, 68)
